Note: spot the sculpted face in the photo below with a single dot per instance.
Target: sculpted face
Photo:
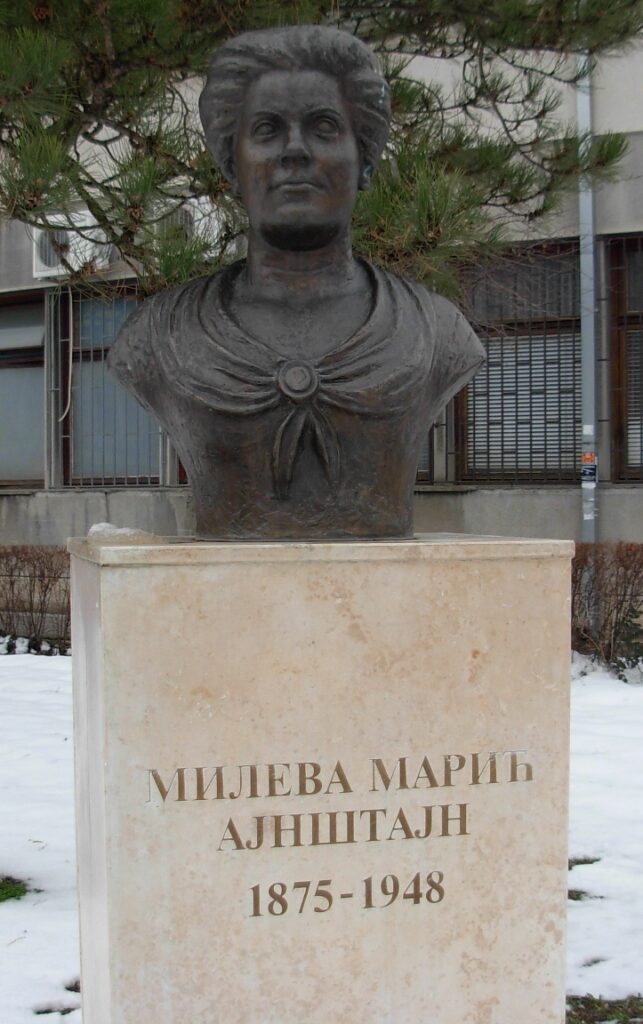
(297, 161)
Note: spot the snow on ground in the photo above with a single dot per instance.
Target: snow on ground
(604, 945)
(39, 935)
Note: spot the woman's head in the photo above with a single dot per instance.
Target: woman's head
(240, 62)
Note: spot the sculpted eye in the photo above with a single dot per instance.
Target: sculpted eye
(326, 125)
(264, 129)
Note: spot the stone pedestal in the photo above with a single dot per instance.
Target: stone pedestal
(322, 783)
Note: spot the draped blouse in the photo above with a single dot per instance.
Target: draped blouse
(277, 444)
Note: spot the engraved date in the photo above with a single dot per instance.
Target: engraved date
(318, 897)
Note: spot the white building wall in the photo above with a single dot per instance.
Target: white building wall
(617, 92)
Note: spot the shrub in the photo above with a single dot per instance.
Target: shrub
(607, 599)
(607, 603)
(12, 888)
(34, 594)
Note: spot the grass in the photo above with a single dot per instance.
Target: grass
(576, 894)
(579, 894)
(12, 889)
(588, 1010)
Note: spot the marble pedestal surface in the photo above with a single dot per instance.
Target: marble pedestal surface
(322, 783)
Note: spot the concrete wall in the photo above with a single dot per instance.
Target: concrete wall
(50, 517)
(531, 512)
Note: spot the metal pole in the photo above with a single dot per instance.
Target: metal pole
(589, 461)
(53, 400)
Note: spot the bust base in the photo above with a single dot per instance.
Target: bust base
(364, 683)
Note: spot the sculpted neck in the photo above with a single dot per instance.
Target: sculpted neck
(300, 277)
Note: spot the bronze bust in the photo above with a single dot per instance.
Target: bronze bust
(297, 385)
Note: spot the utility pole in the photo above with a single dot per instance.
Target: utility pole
(589, 458)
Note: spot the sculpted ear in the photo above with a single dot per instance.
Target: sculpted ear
(365, 177)
(230, 172)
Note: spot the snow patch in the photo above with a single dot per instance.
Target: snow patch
(107, 533)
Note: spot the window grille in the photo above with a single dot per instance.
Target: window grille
(625, 258)
(114, 440)
(103, 437)
(519, 419)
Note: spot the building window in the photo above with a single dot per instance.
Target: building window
(114, 439)
(22, 395)
(104, 437)
(425, 470)
(625, 257)
(519, 419)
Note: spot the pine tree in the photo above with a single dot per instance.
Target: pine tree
(97, 109)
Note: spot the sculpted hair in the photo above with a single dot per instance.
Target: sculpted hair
(299, 48)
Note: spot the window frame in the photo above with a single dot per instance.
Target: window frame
(20, 358)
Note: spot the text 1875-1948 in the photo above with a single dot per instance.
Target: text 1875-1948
(374, 893)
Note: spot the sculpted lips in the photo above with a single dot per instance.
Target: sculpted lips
(299, 184)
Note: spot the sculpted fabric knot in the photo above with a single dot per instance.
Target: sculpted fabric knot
(298, 381)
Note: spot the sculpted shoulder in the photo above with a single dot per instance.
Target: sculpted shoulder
(133, 357)
(458, 352)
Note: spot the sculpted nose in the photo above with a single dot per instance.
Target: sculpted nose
(295, 149)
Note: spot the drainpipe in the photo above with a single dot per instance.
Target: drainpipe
(589, 463)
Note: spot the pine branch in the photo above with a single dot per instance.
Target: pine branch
(95, 110)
